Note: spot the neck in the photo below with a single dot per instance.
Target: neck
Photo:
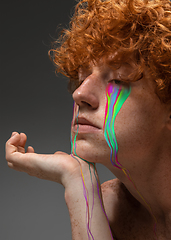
(151, 187)
(153, 191)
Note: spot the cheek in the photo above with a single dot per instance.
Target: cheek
(136, 131)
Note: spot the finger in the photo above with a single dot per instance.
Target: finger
(13, 133)
(23, 139)
(14, 139)
(10, 165)
(30, 149)
(21, 145)
(12, 145)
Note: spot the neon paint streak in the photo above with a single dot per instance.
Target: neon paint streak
(85, 191)
(116, 96)
(89, 214)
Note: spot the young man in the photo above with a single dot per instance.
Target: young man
(123, 47)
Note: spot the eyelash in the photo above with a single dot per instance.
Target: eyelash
(116, 81)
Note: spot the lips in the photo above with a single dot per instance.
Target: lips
(84, 125)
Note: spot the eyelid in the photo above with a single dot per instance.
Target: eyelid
(117, 81)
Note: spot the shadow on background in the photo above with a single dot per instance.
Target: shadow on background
(34, 101)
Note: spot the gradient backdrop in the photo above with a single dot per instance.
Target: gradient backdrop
(34, 101)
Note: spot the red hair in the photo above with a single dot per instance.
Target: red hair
(99, 28)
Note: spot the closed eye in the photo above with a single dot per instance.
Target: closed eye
(120, 83)
(117, 81)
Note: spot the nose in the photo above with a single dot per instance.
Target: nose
(86, 95)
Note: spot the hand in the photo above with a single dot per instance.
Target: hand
(59, 167)
(64, 169)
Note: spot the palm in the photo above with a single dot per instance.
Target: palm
(59, 167)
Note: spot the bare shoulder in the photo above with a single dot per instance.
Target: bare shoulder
(121, 208)
(110, 186)
(110, 191)
(114, 198)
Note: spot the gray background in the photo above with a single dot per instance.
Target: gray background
(33, 100)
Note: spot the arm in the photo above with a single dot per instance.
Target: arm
(77, 209)
(66, 170)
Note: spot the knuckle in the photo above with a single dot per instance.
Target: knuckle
(60, 152)
(6, 144)
(7, 156)
(10, 165)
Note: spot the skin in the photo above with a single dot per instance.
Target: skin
(143, 132)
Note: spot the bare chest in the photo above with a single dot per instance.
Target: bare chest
(127, 219)
(132, 231)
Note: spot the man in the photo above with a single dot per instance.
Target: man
(113, 47)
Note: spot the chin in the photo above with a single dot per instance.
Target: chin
(85, 156)
(92, 153)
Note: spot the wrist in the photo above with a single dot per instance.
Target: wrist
(81, 190)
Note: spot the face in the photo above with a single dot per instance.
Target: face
(138, 125)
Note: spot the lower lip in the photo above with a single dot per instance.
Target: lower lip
(85, 128)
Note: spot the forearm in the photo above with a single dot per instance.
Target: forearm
(72, 173)
(76, 202)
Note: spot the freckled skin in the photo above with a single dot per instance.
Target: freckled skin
(136, 127)
(143, 133)
(128, 219)
(140, 128)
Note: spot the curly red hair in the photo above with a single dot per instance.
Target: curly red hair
(99, 28)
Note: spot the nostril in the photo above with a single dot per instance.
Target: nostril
(86, 103)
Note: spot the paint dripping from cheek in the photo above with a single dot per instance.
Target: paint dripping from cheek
(115, 98)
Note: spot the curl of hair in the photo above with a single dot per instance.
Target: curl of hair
(99, 28)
